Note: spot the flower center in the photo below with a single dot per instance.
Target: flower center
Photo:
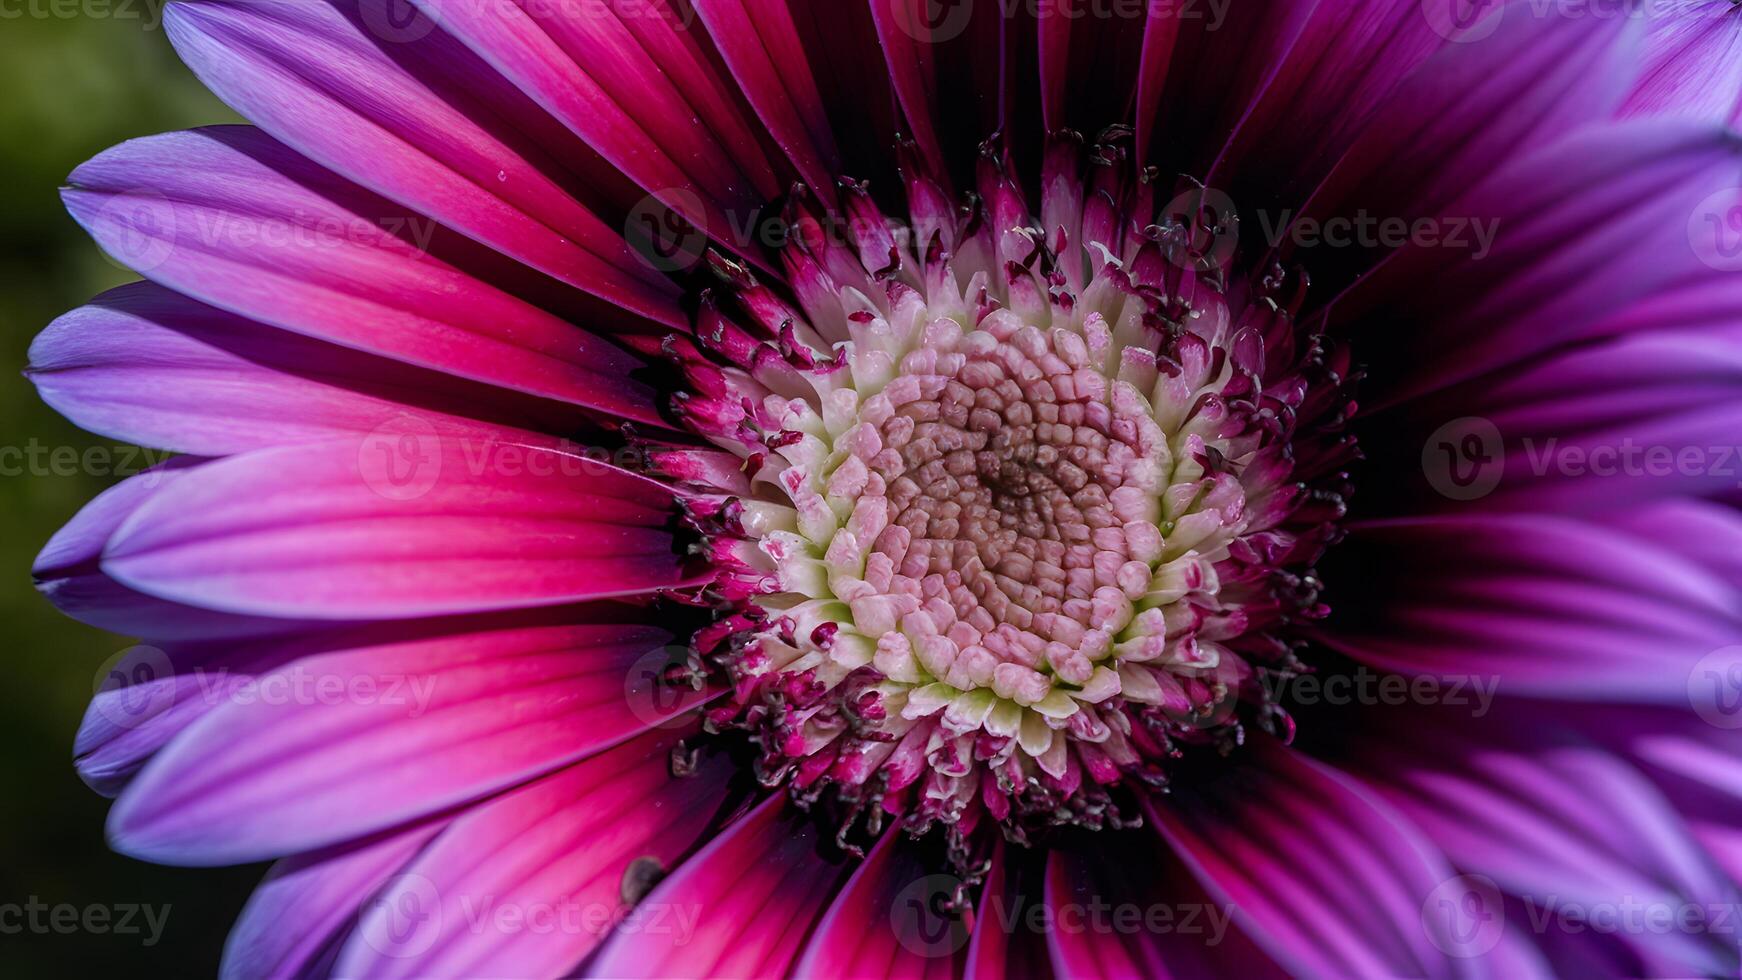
(1021, 509)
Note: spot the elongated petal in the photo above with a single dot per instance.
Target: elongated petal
(758, 887)
(423, 123)
(309, 901)
(1544, 606)
(1327, 879)
(884, 922)
(152, 367)
(1582, 229)
(398, 526)
(232, 218)
(528, 884)
(343, 744)
(1691, 64)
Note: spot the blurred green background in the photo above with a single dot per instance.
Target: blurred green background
(77, 76)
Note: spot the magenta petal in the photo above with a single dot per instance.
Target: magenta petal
(68, 572)
(1541, 606)
(1559, 823)
(1113, 877)
(316, 75)
(291, 922)
(861, 934)
(593, 73)
(343, 744)
(1327, 879)
(759, 41)
(152, 367)
(1348, 58)
(527, 884)
(753, 892)
(400, 525)
(231, 218)
(1528, 84)
(1582, 229)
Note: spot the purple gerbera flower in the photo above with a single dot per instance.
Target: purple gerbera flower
(765, 487)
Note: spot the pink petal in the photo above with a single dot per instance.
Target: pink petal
(234, 219)
(155, 368)
(342, 744)
(399, 525)
(529, 883)
(425, 124)
(756, 889)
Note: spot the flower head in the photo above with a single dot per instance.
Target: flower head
(713, 487)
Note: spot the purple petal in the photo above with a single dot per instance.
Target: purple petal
(338, 745)
(400, 525)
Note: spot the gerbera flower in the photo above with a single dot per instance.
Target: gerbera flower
(742, 487)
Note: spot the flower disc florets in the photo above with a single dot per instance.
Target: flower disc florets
(1020, 502)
